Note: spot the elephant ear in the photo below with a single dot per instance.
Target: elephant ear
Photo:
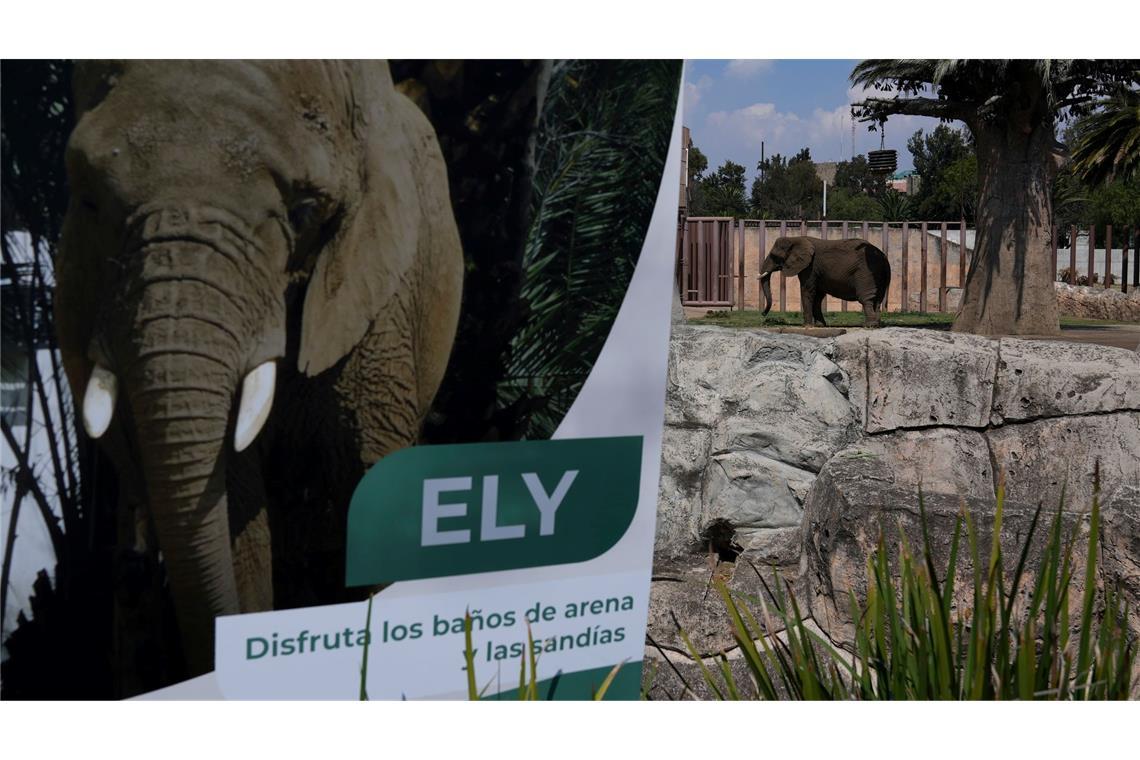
(361, 269)
(799, 256)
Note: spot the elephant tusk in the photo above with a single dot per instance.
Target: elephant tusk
(99, 401)
(256, 401)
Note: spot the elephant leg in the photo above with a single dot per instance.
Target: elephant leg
(807, 304)
(870, 314)
(817, 310)
(249, 533)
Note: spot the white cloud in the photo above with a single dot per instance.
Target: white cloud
(746, 68)
(752, 124)
(694, 92)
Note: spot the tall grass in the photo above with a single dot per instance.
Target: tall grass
(911, 643)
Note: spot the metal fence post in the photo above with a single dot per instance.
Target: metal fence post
(783, 282)
(905, 267)
(1092, 249)
(942, 269)
(740, 266)
(962, 253)
(1107, 253)
(823, 236)
(842, 301)
(1124, 264)
(1073, 254)
(922, 294)
(887, 253)
(760, 257)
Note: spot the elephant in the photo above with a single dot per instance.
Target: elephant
(853, 270)
(257, 257)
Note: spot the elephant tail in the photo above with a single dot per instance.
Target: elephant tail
(886, 288)
(880, 268)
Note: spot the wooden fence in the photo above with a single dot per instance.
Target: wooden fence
(718, 261)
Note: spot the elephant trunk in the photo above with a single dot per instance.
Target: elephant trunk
(181, 405)
(766, 287)
(180, 329)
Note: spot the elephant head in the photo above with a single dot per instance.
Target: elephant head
(226, 217)
(789, 255)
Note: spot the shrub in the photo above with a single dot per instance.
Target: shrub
(911, 644)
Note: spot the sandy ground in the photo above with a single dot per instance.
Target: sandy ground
(1119, 336)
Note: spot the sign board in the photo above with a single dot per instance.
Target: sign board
(546, 543)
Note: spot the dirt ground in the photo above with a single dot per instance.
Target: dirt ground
(1118, 335)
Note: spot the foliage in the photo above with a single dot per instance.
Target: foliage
(698, 163)
(787, 188)
(720, 193)
(1081, 198)
(948, 174)
(1011, 108)
(604, 135)
(851, 205)
(724, 191)
(1014, 642)
(856, 176)
(895, 206)
(59, 652)
(1107, 144)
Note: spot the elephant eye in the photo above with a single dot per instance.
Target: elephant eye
(303, 214)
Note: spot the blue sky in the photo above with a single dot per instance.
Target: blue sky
(730, 106)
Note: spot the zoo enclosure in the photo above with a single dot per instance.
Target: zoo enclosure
(718, 261)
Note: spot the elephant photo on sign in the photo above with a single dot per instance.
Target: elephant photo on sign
(262, 278)
(289, 262)
(853, 270)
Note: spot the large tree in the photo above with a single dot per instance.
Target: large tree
(1012, 108)
(787, 188)
(943, 158)
(722, 192)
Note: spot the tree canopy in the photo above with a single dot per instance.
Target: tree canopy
(787, 188)
(1011, 109)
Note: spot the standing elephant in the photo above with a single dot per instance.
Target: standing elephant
(853, 270)
(249, 248)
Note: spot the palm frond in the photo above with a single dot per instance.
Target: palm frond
(1108, 143)
(605, 134)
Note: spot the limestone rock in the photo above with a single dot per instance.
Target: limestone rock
(919, 378)
(1097, 303)
(1055, 378)
(752, 491)
(872, 489)
(683, 592)
(1039, 458)
(750, 417)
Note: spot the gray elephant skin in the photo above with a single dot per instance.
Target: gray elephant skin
(853, 270)
(258, 288)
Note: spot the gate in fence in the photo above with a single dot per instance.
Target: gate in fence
(705, 257)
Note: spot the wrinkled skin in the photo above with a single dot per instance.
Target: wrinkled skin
(263, 257)
(853, 270)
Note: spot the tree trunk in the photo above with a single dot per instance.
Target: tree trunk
(1009, 287)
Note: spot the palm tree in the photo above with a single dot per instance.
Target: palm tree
(1011, 108)
(1108, 142)
(600, 153)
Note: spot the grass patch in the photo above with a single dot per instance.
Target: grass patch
(932, 319)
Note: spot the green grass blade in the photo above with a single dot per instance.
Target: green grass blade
(600, 694)
(1084, 647)
(367, 643)
(469, 658)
